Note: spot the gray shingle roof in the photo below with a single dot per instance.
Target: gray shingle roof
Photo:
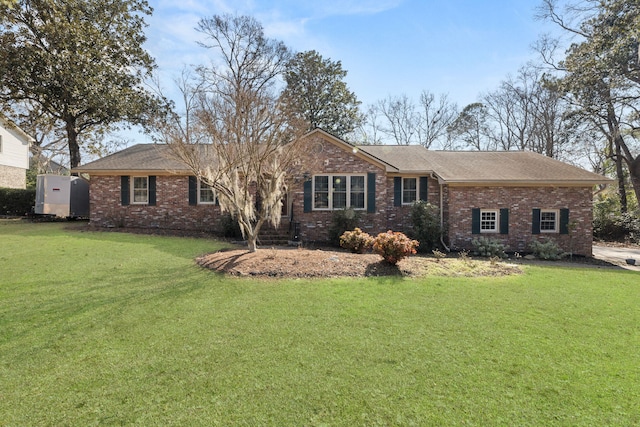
(484, 167)
(137, 158)
(463, 167)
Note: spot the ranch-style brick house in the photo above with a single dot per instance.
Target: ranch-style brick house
(514, 197)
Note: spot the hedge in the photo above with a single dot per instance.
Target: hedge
(17, 202)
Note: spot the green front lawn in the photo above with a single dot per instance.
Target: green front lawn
(118, 329)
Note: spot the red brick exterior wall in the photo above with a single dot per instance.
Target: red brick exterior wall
(172, 209)
(521, 201)
(399, 217)
(329, 158)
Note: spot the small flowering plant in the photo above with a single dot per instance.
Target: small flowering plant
(357, 241)
(394, 246)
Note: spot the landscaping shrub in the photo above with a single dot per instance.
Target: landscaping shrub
(610, 224)
(548, 250)
(357, 241)
(342, 220)
(426, 226)
(16, 201)
(394, 246)
(488, 247)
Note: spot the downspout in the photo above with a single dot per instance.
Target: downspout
(444, 245)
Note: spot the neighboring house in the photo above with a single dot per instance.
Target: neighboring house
(14, 155)
(45, 165)
(515, 197)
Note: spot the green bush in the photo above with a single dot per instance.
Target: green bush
(426, 226)
(488, 247)
(342, 220)
(394, 246)
(357, 241)
(16, 201)
(611, 225)
(548, 250)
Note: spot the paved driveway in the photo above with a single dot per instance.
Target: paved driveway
(618, 256)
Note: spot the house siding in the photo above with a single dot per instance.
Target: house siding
(521, 201)
(171, 211)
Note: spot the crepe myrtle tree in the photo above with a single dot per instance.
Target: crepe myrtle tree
(233, 134)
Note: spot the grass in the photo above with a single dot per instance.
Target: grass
(118, 329)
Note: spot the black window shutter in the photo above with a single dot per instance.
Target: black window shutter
(307, 197)
(504, 221)
(371, 192)
(397, 191)
(424, 188)
(475, 221)
(152, 190)
(124, 190)
(564, 221)
(535, 222)
(193, 191)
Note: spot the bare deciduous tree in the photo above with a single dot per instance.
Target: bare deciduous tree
(435, 116)
(233, 134)
(399, 120)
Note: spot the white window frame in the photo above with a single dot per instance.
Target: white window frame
(496, 221)
(0, 143)
(330, 179)
(200, 189)
(556, 227)
(133, 191)
(417, 190)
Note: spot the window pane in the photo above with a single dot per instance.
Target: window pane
(140, 189)
(357, 183)
(357, 200)
(339, 200)
(340, 183)
(321, 201)
(140, 182)
(322, 183)
(321, 192)
(409, 193)
(206, 193)
(357, 192)
(548, 221)
(139, 196)
(488, 220)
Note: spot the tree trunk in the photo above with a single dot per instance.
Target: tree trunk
(634, 174)
(72, 137)
(622, 191)
(252, 243)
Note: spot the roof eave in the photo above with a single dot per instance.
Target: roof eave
(529, 183)
(127, 172)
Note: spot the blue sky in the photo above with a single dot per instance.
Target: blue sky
(388, 47)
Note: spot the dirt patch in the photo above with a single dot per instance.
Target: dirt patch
(298, 262)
